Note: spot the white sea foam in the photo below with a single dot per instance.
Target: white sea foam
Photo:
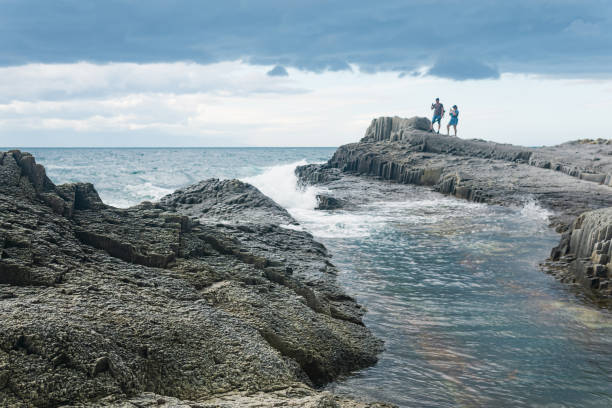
(531, 209)
(148, 191)
(280, 184)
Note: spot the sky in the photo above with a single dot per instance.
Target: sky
(299, 73)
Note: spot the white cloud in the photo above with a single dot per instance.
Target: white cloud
(87, 80)
(233, 103)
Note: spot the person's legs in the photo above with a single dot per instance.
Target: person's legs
(435, 119)
(455, 128)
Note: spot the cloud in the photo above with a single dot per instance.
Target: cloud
(533, 36)
(86, 80)
(583, 28)
(278, 70)
(462, 69)
(336, 110)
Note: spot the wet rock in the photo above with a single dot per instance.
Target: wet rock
(200, 295)
(587, 246)
(230, 201)
(294, 396)
(325, 202)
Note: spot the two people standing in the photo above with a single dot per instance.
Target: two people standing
(439, 111)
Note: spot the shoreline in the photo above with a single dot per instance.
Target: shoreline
(200, 297)
(559, 178)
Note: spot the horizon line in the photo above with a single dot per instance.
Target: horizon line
(165, 147)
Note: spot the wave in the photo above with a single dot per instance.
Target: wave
(280, 184)
(531, 209)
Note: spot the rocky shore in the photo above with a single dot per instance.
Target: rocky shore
(572, 180)
(199, 300)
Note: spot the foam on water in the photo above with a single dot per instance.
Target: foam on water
(280, 184)
(531, 209)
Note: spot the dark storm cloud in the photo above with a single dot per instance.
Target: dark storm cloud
(460, 39)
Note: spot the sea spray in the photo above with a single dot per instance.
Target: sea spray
(280, 184)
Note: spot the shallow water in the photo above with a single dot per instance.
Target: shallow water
(452, 287)
(455, 291)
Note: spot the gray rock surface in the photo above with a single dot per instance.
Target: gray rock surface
(568, 179)
(294, 396)
(167, 301)
(327, 202)
(586, 248)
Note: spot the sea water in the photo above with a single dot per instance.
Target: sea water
(453, 288)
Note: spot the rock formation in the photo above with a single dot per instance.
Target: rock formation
(569, 179)
(201, 299)
(586, 249)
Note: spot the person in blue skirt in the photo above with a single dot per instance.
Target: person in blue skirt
(454, 119)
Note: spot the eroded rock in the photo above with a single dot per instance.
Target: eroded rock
(101, 306)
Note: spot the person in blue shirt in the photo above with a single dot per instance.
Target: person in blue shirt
(454, 119)
(438, 109)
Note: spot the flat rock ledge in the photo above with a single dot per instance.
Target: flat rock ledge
(571, 180)
(199, 300)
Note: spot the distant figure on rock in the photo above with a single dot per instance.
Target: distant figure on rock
(438, 109)
(454, 119)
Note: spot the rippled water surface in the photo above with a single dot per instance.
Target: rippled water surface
(467, 317)
(127, 176)
(452, 287)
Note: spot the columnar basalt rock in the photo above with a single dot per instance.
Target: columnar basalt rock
(587, 249)
(198, 296)
(568, 179)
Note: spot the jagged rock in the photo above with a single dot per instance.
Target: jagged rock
(587, 250)
(312, 174)
(100, 305)
(226, 201)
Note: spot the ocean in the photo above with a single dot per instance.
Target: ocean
(452, 287)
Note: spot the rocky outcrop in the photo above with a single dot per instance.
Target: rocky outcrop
(174, 301)
(568, 179)
(226, 200)
(393, 129)
(585, 159)
(586, 248)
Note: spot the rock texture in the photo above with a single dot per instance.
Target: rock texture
(326, 202)
(295, 396)
(586, 248)
(201, 297)
(568, 179)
